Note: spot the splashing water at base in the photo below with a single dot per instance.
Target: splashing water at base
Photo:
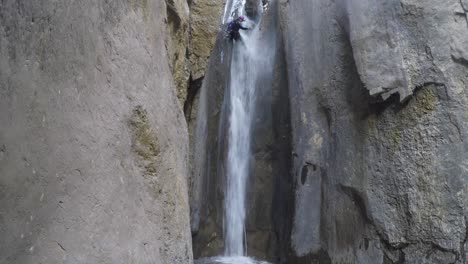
(229, 260)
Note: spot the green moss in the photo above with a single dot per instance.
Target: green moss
(145, 142)
(394, 136)
(151, 168)
(426, 101)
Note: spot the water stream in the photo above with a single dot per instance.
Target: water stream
(251, 58)
(247, 61)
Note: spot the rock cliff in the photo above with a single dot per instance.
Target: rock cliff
(375, 131)
(378, 181)
(93, 141)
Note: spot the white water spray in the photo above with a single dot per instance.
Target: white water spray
(249, 61)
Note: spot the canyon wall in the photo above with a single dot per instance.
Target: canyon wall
(93, 141)
(379, 124)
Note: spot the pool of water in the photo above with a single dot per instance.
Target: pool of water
(229, 260)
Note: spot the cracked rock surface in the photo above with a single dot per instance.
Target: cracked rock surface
(380, 107)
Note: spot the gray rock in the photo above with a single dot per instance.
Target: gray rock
(393, 174)
(93, 143)
(177, 16)
(377, 46)
(204, 26)
(208, 154)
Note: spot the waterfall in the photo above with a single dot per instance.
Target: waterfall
(251, 60)
(242, 99)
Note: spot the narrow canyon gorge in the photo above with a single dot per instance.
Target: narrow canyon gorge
(330, 132)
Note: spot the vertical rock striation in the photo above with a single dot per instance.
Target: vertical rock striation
(93, 142)
(177, 44)
(205, 17)
(378, 181)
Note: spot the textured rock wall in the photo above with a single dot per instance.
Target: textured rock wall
(204, 27)
(378, 182)
(208, 154)
(205, 17)
(192, 27)
(93, 142)
(177, 42)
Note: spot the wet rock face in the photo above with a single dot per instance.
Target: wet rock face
(390, 180)
(207, 155)
(204, 26)
(93, 142)
(192, 27)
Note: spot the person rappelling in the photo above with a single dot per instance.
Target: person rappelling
(234, 27)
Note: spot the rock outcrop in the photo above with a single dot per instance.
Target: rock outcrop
(93, 142)
(378, 182)
(192, 28)
(177, 41)
(205, 17)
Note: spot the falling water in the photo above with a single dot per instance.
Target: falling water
(230, 8)
(250, 61)
(247, 64)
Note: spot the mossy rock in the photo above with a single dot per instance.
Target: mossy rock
(426, 101)
(394, 136)
(145, 142)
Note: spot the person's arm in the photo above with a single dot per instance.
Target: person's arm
(241, 27)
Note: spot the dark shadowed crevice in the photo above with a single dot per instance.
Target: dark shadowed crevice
(193, 88)
(173, 18)
(328, 116)
(322, 257)
(304, 173)
(461, 61)
(378, 107)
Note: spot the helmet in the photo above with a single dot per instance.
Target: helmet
(241, 18)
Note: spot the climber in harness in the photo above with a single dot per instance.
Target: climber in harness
(234, 27)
